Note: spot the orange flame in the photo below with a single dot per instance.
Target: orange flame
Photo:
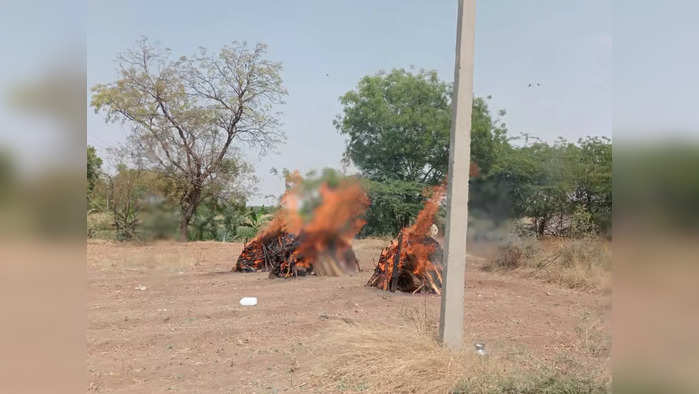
(287, 246)
(336, 221)
(426, 217)
(287, 218)
(414, 250)
(417, 232)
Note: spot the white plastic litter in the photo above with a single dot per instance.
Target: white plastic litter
(480, 349)
(248, 301)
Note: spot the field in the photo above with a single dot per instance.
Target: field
(165, 317)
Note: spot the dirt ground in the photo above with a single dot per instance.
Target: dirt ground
(165, 317)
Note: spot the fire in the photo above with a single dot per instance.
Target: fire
(326, 241)
(287, 218)
(271, 245)
(412, 262)
(289, 247)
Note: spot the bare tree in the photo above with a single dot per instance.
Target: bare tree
(187, 113)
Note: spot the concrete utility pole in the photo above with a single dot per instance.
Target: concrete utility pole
(451, 322)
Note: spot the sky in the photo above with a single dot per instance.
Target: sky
(655, 63)
(326, 47)
(39, 39)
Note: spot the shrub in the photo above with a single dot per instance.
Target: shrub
(513, 253)
(583, 263)
(100, 225)
(582, 223)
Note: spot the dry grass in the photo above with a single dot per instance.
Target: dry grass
(169, 256)
(544, 381)
(367, 341)
(390, 359)
(593, 338)
(574, 263)
(404, 359)
(100, 225)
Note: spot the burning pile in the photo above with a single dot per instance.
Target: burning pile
(288, 247)
(275, 243)
(413, 261)
(266, 253)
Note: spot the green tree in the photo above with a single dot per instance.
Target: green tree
(7, 174)
(94, 168)
(544, 182)
(397, 126)
(593, 177)
(253, 221)
(186, 114)
(126, 191)
(394, 204)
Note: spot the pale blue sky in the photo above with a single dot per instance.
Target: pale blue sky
(655, 69)
(566, 46)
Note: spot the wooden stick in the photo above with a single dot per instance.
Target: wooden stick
(396, 260)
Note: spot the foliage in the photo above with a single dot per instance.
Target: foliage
(7, 174)
(94, 167)
(187, 113)
(593, 176)
(126, 189)
(583, 263)
(394, 204)
(254, 219)
(582, 222)
(146, 202)
(397, 126)
(544, 182)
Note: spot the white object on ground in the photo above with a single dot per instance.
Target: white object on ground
(480, 349)
(248, 301)
(140, 287)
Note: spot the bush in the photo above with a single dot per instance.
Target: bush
(393, 205)
(245, 233)
(158, 222)
(513, 253)
(582, 223)
(583, 263)
(100, 225)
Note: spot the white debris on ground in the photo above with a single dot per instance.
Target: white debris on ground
(434, 230)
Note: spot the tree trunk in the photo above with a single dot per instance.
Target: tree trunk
(541, 227)
(188, 207)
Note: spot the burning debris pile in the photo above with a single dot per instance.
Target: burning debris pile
(267, 253)
(289, 247)
(413, 261)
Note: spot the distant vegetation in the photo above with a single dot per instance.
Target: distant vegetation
(186, 115)
(396, 125)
